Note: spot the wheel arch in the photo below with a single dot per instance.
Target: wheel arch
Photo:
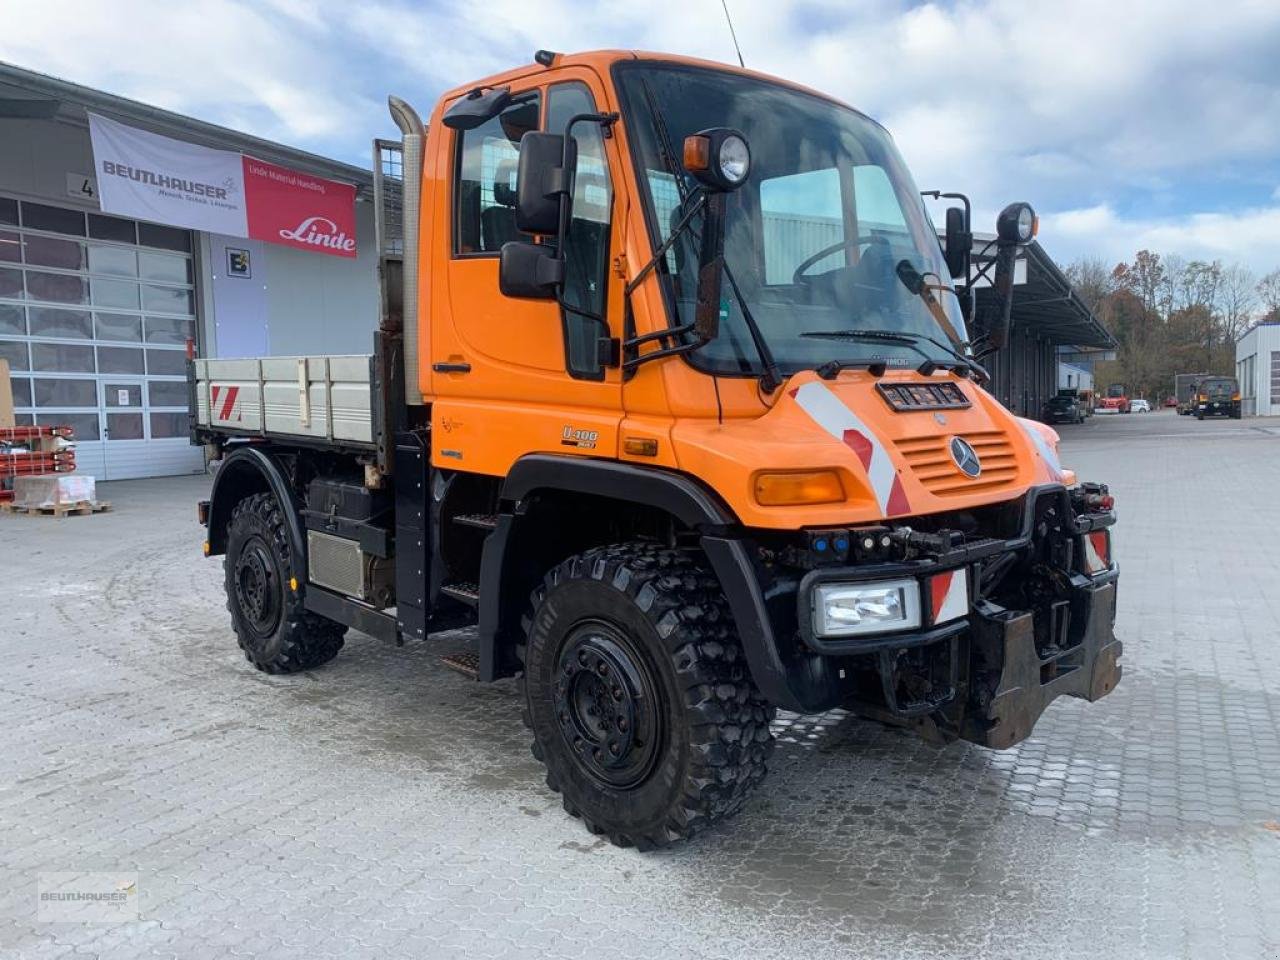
(807, 684)
(538, 495)
(247, 470)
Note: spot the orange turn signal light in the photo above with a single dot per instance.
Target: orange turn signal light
(788, 489)
(640, 446)
(697, 153)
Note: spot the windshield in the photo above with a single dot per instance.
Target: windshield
(1218, 388)
(1115, 390)
(828, 234)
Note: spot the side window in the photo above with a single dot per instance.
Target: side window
(878, 208)
(484, 201)
(587, 244)
(802, 216)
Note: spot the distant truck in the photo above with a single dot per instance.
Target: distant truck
(1217, 397)
(1116, 400)
(1184, 385)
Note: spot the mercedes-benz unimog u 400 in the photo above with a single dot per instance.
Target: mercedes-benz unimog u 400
(672, 396)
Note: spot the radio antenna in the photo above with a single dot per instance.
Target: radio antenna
(733, 33)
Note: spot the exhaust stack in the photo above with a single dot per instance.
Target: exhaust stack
(413, 139)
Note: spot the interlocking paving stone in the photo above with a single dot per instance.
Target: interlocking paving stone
(383, 806)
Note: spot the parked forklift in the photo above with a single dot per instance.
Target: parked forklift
(681, 462)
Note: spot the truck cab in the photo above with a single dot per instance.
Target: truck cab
(1216, 397)
(675, 399)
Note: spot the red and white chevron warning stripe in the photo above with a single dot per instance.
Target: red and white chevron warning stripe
(224, 403)
(1097, 552)
(830, 412)
(949, 595)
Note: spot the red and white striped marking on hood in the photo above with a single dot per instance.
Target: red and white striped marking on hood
(832, 415)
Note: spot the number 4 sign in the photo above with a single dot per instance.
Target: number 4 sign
(81, 186)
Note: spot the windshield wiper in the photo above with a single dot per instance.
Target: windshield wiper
(916, 282)
(963, 365)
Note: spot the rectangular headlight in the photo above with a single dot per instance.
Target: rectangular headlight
(849, 609)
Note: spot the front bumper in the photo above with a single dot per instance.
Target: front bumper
(987, 676)
(1004, 644)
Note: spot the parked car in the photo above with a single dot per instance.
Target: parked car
(1062, 410)
(1139, 406)
(1171, 403)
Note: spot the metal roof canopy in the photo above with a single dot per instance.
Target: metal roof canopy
(1045, 305)
(31, 95)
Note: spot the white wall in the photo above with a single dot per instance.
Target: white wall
(1258, 370)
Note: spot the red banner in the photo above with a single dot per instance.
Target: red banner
(299, 210)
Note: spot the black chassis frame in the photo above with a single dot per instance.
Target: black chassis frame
(803, 680)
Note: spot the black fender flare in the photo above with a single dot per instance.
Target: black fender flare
(679, 495)
(246, 470)
(807, 686)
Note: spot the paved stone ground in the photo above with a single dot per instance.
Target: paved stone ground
(385, 807)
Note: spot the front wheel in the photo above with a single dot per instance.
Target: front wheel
(640, 703)
(275, 632)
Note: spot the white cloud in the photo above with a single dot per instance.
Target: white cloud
(1250, 236)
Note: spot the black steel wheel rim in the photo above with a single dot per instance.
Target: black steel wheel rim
(257, 586)
(605, 700)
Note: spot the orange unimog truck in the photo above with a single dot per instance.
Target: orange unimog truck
(673, 397)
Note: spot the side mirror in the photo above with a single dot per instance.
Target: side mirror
(959, 243)
(528, 272)
(543, 178)
(468, 112)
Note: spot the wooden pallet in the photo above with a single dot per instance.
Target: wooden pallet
(81, 509)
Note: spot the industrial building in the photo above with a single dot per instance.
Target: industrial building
(96, 310)
(1258, 369)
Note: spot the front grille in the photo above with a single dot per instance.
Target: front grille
(930, 460)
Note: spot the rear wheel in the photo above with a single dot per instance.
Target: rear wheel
(275, 632)
(639, 700)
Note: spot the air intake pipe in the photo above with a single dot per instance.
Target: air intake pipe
(413, 141)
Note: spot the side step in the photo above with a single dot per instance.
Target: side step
(467, 664)
(481, 521)
(468, 593)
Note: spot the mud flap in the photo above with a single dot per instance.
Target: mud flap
(1027, 684)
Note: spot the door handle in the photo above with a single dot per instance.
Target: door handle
(451, 367)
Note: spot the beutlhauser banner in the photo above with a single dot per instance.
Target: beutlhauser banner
(151, 177)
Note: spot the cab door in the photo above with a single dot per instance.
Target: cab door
(512, 376)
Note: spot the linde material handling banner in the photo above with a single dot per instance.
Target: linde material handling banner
(150, 177)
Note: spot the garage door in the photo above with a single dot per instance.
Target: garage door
(95, 312)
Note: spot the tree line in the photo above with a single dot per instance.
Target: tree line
(1171, 315)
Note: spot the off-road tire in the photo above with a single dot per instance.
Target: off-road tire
(666, 608)
(276, 634)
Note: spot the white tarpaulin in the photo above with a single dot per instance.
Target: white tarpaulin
(150, 177)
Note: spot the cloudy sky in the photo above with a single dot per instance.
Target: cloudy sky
(1128, 123)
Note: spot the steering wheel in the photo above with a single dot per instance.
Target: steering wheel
(799, 272)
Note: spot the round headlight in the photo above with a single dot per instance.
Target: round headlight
(1017, 223)
(735, 159)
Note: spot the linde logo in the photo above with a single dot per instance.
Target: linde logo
(320, 232)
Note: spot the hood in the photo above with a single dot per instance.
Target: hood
(903, 445)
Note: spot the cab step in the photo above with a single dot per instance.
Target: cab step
(468, 593)
(467, 664)
(481, 521)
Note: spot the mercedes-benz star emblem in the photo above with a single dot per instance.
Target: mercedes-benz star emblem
(965, 457)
